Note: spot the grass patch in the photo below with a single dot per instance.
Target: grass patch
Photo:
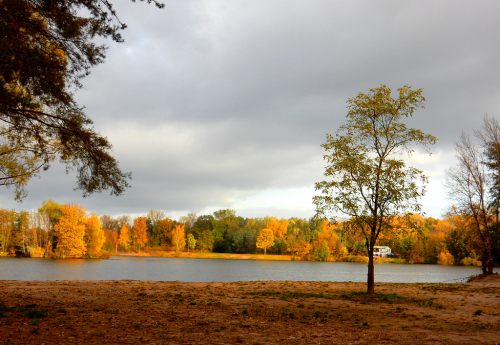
(35, 314)
(351, 296)
(5, 308)
(447, 288)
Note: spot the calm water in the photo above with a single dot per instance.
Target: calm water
(208, 270)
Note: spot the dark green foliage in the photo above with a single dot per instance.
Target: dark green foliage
(243, 241)
(322, 253)
(457, 244)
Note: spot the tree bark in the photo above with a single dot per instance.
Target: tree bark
(490, 266)
(371, 273)
(484, 268)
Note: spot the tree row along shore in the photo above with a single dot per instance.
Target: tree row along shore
(66, 231)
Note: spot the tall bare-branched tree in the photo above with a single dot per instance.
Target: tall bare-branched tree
(473, 186)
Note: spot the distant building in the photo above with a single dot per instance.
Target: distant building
(382, 251)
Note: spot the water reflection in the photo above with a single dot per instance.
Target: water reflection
(208, 270)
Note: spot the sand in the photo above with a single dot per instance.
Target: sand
(138, 312)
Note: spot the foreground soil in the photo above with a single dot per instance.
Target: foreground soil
(136, 312)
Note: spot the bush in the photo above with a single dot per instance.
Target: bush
(355, 259)
(36, 252)
(470, 262)
(322, 253)
(445, 258)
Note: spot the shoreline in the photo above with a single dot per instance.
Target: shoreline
(117, 312)
(233, 256)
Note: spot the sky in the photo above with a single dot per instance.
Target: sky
(225, 104)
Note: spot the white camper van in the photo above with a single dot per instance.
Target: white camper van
(382, 251)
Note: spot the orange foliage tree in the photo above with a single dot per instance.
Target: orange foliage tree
(124, 239)
(111, 239)
(303, 247)
(265, 239)
(140, 229)
(278, 227)
(329, 238)
(70, 231)
(165, 227)
(178, 237)
(94, 236)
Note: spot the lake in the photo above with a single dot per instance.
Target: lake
(209, 270)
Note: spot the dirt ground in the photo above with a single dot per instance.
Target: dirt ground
(137, 312)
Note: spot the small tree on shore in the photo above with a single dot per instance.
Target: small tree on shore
(265, 239)
(474, 186)
(140, 232)
(94, 235)
(370, 183)
(178, 237)
(191, 242)
(70, 230)
(124, 239)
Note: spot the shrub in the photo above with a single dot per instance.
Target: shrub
(356, 259)
(322, 253)
(36, 252)
(470, 262)
(445, 258)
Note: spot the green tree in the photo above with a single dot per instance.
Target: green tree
(322, 253)
(191, 242)
(370, 183)
(205, 240)
(154, 218)
(47, 47)
(225, 223)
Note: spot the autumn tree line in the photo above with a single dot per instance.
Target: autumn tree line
(63, 231)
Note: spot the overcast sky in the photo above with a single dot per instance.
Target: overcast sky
(224, 104)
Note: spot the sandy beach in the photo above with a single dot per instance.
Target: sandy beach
(138, 312)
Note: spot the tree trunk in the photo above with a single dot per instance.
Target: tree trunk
(490, 266)
(265, 251)
(371, 273)
(484, 267)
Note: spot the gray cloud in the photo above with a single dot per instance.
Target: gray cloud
(214, 101)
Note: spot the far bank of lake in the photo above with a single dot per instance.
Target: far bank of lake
(214, 270)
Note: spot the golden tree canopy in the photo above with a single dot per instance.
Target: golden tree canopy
(70, 231)
(178, 237)
(265, 239)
